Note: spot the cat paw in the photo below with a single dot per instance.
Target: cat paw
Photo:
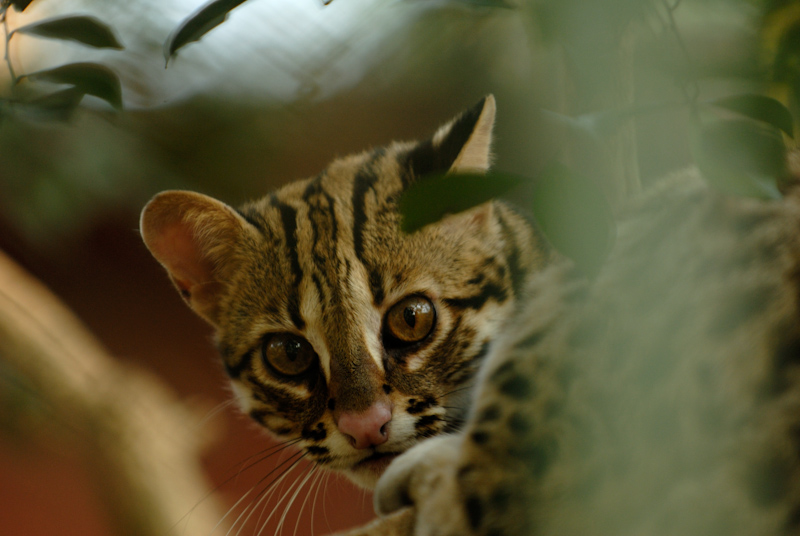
(425, 478)
(398, 523)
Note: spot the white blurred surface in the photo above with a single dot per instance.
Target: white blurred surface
(275, 50)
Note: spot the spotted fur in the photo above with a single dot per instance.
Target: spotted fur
(662, 399)
(324, 259)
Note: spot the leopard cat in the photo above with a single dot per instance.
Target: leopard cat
(340, 333)
(662, 398)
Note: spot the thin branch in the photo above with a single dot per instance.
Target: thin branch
(673, 27)
(8, 36)
(675, 5)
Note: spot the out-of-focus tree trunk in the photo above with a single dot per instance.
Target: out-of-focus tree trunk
(140, 443)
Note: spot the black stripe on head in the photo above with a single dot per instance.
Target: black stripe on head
(376, 286)
(427, 158)
(234, 371)
(465, 370)
(364, 182)
(512, 255)
(322, 217)
(313, 196)
(489, 290)
(318, 284)
(254, 218)
(289, 221)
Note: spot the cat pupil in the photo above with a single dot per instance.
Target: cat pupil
(292, 350)
(410, 316)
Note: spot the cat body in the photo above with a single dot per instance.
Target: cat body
(337, 330)
(663, 398)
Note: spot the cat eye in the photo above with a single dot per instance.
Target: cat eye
(287, 354)
(410, 320)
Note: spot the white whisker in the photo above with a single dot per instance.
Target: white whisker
(243, 466)
(289, 504)
(280, 501)
(212, 413)
(320, 478)
(325, 503)
(277, 489)
(250, 508)
(313, 488)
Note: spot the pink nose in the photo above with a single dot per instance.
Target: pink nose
(367, 429)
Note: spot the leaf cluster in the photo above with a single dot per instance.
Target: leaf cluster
(737, 143)
(742, 152)
(742, 155)
(199, 23)
(570, 210)
(75, 80)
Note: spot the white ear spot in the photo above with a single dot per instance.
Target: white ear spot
(475, 155)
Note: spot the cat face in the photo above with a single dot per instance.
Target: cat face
(336, 328)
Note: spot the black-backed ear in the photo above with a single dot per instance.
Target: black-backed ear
(463, 144)
(193, 236)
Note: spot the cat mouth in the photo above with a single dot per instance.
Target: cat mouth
(377, 463)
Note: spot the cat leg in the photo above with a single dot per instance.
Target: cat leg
(398, 523)
(457, 487)
(425, 478)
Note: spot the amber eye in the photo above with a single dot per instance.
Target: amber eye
(288, 354)
(411, 319)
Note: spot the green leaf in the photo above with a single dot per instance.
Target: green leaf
(5, 109)
(760, 108)
(574, 215)
(599, 125)
(83, 29)
(431, 198)
(198, 24)
(88, 78)
(785, 67)
(20, 5)
(57, 106)
(486, 3)
(740, 156)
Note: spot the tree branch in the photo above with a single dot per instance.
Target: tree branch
(139, 441)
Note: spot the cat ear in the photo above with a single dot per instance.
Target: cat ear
(462, 145)
(193, 236)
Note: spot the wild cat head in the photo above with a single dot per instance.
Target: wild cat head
(335, 327)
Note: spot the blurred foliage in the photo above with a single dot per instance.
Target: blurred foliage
(82, 29)
(572, 213)
(78, 78)
(198, 24)
(740, 151)
(780, 30)
(691, 80)
(81, 78)
(430, 199)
